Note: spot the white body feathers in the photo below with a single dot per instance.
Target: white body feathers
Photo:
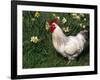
(67, 46)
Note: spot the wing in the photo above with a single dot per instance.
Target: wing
(72, 46)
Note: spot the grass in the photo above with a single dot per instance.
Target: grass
(42, 54)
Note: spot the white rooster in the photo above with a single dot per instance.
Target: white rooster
(67, 46)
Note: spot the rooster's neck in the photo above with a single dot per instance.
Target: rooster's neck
(58, 32)
(59, 39)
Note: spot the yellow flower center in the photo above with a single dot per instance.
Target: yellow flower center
(37, 14)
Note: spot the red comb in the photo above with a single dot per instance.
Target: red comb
(55, 20)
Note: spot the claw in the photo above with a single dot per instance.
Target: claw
(70, 59)
(69, 62)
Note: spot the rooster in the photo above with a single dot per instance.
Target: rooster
(67, 46)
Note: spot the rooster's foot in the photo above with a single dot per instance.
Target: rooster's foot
(69, 62)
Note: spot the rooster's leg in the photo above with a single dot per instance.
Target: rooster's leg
(70, 59)
(67, 60)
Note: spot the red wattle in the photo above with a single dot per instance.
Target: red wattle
(52, 28)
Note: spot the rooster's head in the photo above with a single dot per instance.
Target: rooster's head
(52, 24)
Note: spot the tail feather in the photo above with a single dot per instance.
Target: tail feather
(85, 33)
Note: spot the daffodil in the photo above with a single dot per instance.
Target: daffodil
(64, 20)
(80, 24)
(81, 14)
(37, 14)
(54, 15)
(34, 39)
(58, 17)
(74, 14)
(33, 19)
(77, 17)
(47, 26)
(66, 29)
(83, 26)
(84, 19)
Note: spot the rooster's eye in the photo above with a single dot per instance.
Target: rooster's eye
(52, 28)
(52, 25)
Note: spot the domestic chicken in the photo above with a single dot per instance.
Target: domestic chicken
(68, 46)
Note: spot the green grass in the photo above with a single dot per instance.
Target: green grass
(42, 54)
